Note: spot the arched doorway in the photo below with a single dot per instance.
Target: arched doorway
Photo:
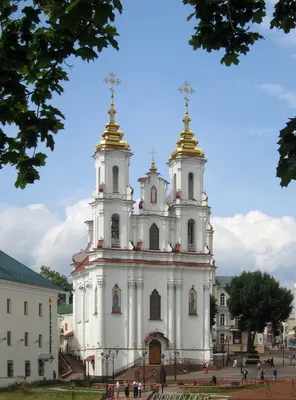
(154, 352)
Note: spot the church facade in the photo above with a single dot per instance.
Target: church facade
(142, 287)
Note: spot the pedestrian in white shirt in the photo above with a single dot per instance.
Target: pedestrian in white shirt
(140, 389)
(117, 388)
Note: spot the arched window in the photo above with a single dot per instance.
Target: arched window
(96, 301)
(222, 299)
(222, 319)
(190, 186)
(155, 305)
(153, 195)
(115, 231)
(175, 187)
(115, 178)
(191, 235)
(154, 237)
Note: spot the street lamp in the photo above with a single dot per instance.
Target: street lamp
(241, 350)
(110, 356)
(227, 341)
(144, 356)
(176, 353)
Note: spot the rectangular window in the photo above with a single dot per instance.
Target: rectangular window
(8, 306)
(8, 338)
(26, 339)
(40, 341)
(27, 368)
(40, 308)
(41, 368)
(10, 369)
(26, 309)
(222, 338)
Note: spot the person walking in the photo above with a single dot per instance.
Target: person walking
(271, 363)
(235, 363)
(117, 388)
(245, 374)
(140, 389)
(126, 389)
(262, 373)
(135, 387)
(207, 368)
(54, 375)
(274, 373)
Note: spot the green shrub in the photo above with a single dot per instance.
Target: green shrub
(214, 380)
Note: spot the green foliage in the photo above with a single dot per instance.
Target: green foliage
(56, 278)
(231, 26)
(213, 310)
(255, 299)
(37, 37)
(214, 380)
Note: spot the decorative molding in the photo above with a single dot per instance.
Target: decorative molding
(131, 282)
(139, 282)
(170, 283)
(81, 286)
(207, 284)
(88, 285)
(101, 280)
(179, 282)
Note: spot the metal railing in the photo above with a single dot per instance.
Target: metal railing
(125, 368)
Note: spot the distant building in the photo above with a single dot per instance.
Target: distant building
(28, 331)
(226, 334)
(65, 318)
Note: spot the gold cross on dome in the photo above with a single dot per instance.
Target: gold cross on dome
(187, 90)
(112, 81)
(153, 152)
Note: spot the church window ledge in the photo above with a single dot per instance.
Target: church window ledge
(79, 322)
(86, 321)
(155, 319)
(116, 312)
(192, 315)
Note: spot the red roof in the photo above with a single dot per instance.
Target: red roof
(142, 179)
(81, 267)
(155, 335)
(90, 358)
(69, 334)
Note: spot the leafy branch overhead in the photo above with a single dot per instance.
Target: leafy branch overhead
(36, 40)
(231, 26)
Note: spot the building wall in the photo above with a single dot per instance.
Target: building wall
(127, 331)
(17, 323)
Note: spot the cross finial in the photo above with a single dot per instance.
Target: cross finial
(187, 90)
(112, 81)
(153, 152)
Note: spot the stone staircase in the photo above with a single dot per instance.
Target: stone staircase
(77, 369)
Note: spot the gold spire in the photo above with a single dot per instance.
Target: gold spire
(186, 145)
(112, 137)
(153, 167)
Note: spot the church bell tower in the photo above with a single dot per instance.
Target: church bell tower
(113, 200)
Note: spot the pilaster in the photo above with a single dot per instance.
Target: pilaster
(131, 313)
(179, 313)
(140, 308)
(171, 311)
(101, 282)
(207, 327)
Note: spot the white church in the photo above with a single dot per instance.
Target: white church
(142, 286)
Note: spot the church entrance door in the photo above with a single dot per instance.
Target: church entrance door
(154, 352)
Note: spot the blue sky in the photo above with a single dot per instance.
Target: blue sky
(234, 118)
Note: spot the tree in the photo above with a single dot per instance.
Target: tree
(256, 299)
(213, 310)
(37, 37)
(57, 279)
(231, 25)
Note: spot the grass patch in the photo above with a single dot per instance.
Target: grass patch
(31, 395)
(220, 390)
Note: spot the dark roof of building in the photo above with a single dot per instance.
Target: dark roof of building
(13, 270)
(65, 309)
(222, 281)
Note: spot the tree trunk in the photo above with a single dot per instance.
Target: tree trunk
(250, 343)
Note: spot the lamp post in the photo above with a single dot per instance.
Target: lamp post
(144, 356)
(110, 356)
(176, 353)
(113, 355)
(241, 350)
(162, 373)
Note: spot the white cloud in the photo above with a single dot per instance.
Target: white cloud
(35, 236)
(276, 90)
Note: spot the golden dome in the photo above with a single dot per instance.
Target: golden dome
(112, 137)
(153, 167)
(187, 144)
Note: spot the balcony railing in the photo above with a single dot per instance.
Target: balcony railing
(115, 243)
(191, 247)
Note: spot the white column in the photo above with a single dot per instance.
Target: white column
(207, 328)
(171, 312)
(89, 313)
(101, 311)
(131, 314)
(179, 314)
(140, 286)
